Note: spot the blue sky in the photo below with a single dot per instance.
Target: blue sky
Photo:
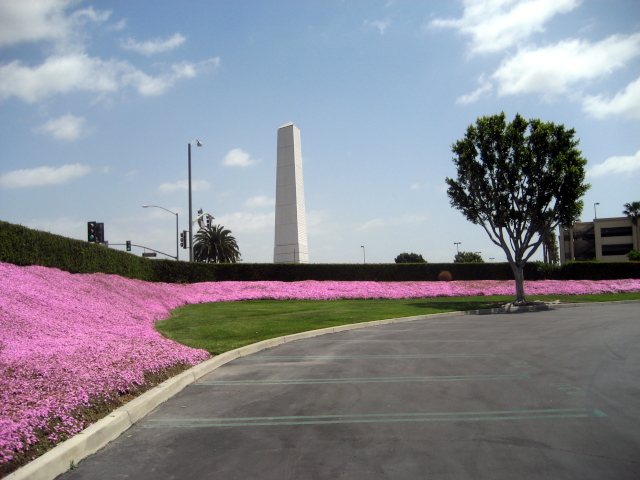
(98, 101)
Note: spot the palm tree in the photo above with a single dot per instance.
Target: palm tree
(632, 210)
(214, 244)
(550, 248)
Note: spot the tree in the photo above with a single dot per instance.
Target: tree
(550, 248)
(632, 210)
(410, 258)
(214, 244)
(468, 257)
(519, 181)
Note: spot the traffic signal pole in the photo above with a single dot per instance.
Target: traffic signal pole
(142, 246)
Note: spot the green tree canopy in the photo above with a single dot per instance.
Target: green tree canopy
(632, 210)
(214, 244)
(518, 180)
(468, 257)
(410, 258)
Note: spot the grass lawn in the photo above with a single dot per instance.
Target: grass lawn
(222, 326)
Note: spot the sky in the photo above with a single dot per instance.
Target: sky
(99, 101)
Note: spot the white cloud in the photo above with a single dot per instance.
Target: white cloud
(260, 201)
(183, 185)
(497, 25)
(415, 186)
(238, 158)
(118, 26)
(33, 21)
(81, 16)
(246, 222)
(625, 103)
(39, 176)
(154, 46)
(556, 68)
(59, 74)
(616, 165)
(381, 25)
(69, 68)
(48, 21)
(77, 72)
(68, 127)
(485, 86)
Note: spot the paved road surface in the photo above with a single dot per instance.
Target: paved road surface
(538, 395)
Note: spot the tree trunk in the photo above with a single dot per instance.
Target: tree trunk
(518, 273)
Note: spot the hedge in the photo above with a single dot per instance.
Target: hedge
(24, 246)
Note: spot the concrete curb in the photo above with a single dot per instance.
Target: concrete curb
(64, 456)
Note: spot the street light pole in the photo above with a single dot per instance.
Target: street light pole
(158, 206)
(595, 212)
(457, 244)
(364, 255)
(198, 144)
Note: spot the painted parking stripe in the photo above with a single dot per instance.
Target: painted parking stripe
(309, 381)
(354, 340)
(426, 329)
(375, 418)
(345, 357)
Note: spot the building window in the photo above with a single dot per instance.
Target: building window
(616, 249)
(615, 232)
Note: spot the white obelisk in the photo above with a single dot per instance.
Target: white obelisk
(291, 219)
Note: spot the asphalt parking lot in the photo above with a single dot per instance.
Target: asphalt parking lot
(548, 394)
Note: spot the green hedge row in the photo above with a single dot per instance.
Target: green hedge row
(23, 246)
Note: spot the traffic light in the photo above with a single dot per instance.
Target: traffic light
(91, 232)
(209, 218)
(128, 245)
(99, 232)
(183, 239)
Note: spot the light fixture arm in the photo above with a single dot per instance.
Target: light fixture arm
(166, 210)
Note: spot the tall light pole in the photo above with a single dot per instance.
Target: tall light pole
(364, 255)
(198, 144)
(595, 212)
(158, 206)
(457, 244)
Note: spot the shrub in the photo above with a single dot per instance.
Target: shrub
(445, 276)
(410, 258)
(634, 255)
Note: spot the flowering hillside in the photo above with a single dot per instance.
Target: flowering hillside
(69, 339)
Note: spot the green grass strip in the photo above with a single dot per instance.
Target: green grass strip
(223, 326)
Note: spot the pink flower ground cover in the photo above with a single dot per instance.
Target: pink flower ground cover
(67, 339)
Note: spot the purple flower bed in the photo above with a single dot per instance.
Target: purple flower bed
(66, 339)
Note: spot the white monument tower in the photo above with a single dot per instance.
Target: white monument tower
(291, 219)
